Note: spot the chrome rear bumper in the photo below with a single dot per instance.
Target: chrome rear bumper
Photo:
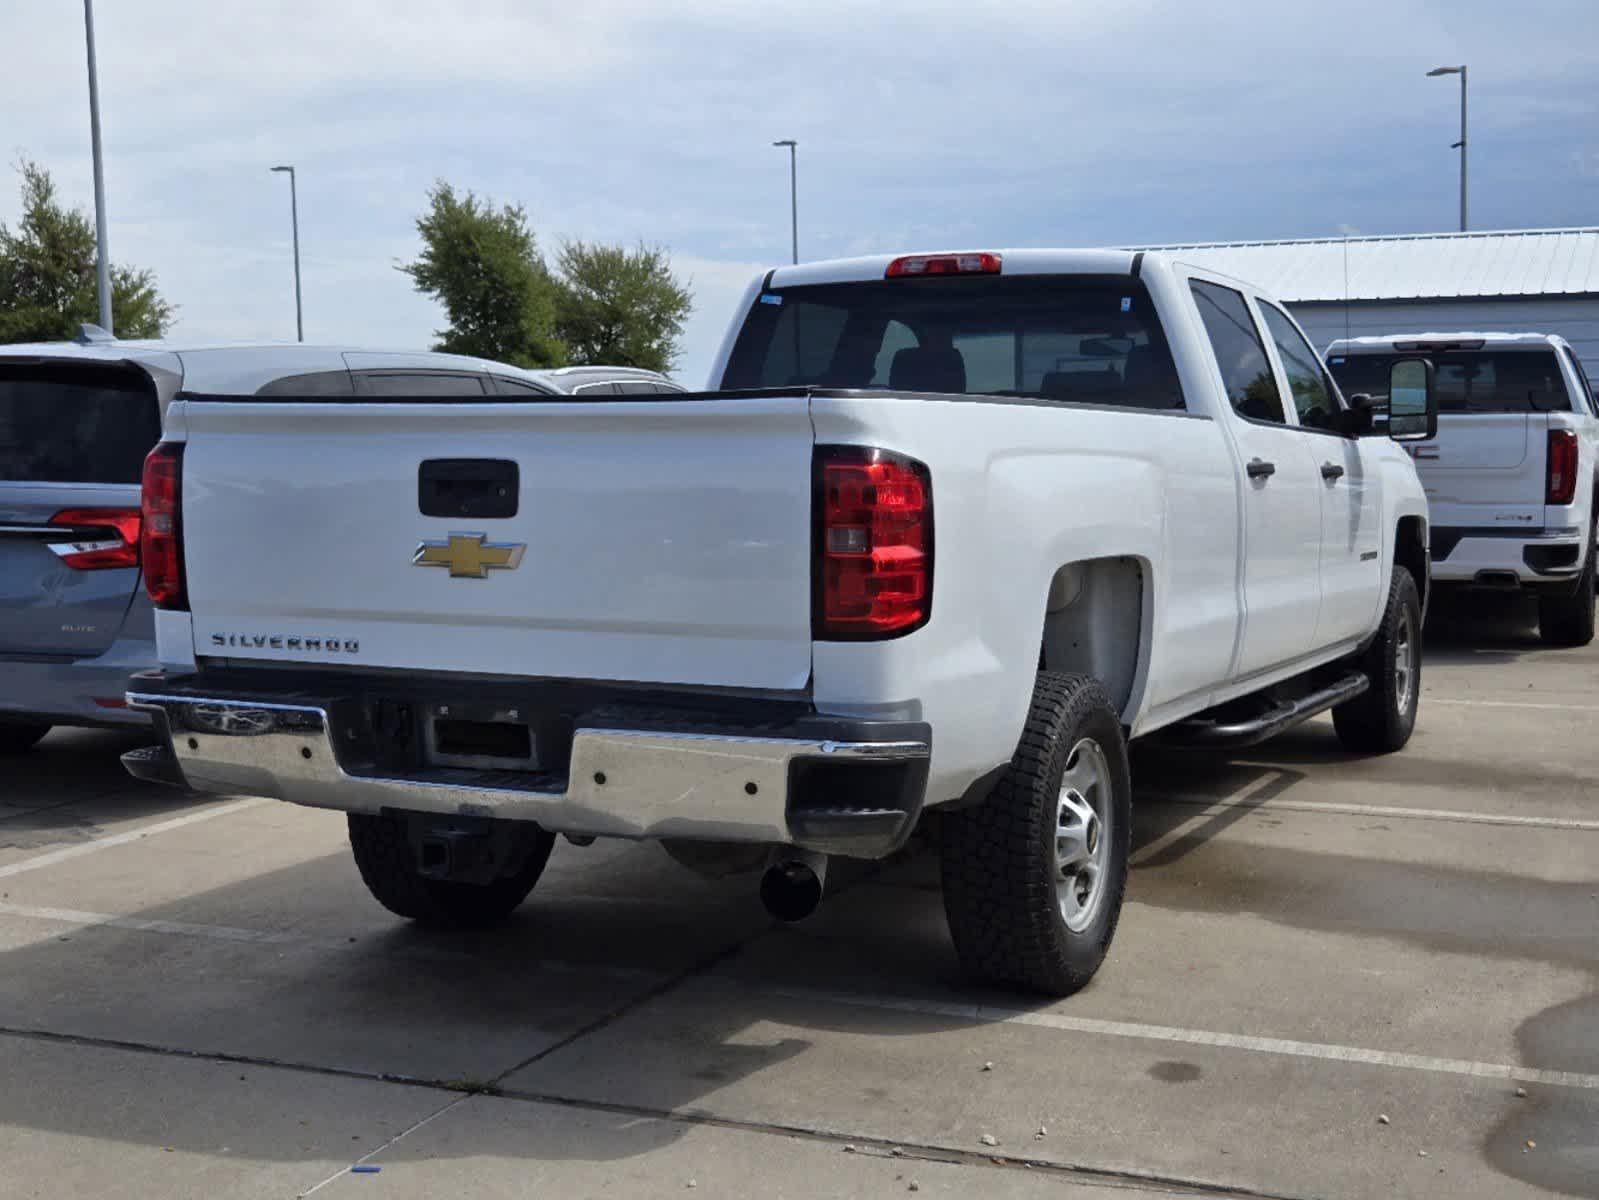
(620, 782)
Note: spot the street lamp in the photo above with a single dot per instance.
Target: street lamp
(1461, 144)
(793, 191)
(101, 251)
(294, 215)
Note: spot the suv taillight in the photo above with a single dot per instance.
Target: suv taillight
(107, 538)
(874, 544)
(1562, 476)
(162, 543)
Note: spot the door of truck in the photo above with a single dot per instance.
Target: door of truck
(1351, 497)
(1280, 480)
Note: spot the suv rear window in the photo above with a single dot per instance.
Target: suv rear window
(75, 424)
(1088, 339)
(1468, 381)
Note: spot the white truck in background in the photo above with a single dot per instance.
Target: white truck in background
(1510, 476)
(955, 527)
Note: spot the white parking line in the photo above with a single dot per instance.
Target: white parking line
(122, 839)
(1214, 805)
(83, 919)
(988, 1015)
(1574, 708)
(73, 916)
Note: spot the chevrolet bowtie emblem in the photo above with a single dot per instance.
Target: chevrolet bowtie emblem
(469, 555)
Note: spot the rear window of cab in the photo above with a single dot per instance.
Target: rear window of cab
(1072, 338)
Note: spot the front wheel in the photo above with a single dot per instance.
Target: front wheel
(1381, 719)
(388, 867)
(1033, 877)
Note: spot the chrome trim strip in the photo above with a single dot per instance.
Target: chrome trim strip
(632, 783)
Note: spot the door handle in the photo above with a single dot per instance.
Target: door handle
(1331, 471)
(1259, 468)
(467, 487)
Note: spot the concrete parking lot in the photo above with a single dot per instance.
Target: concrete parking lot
(1334, 977)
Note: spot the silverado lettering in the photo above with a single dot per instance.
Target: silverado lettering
(275, 641)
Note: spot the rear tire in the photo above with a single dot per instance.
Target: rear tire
(1568, 620)
(17, 739)
(1381, 719)
(1033, 877)
(388, 867)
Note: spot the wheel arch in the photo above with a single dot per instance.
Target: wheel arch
(1411, 552)
(1097, 618)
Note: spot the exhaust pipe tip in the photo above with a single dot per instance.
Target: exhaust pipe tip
(792, 886)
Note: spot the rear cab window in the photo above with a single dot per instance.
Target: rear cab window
(1087, 339)
(1467, 381)
(75, 423)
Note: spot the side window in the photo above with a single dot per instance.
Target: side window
(1582, 378)
(518, 387)
(420, 383)
(1245, 371)
(1307, 379)
(636, 387)
(316, 383)
(595, 389)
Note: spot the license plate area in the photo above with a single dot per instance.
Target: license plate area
(480, 736)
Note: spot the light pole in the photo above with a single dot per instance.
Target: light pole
(294, 216)
(101, 251)
(1461, 144)
(793, 191)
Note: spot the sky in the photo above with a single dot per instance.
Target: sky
(920, 126)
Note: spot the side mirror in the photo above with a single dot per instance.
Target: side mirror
(1412, 401)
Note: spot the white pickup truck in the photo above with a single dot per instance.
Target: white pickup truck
(955, 527)
(1510, 476)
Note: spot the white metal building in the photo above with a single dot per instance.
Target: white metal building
(1536, 280)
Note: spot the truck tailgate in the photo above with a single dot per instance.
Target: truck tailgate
(1485, 470)
(662, 541)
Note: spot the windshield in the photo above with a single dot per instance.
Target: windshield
(1082, 338)
(1474, 381)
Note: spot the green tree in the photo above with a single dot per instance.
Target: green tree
(47, 274)
(620, 307)
(482, 264)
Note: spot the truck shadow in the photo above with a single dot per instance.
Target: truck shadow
(65, 789)
(1482, 627)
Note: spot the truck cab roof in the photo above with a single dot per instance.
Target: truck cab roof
(1388, 343)
(1013, 262)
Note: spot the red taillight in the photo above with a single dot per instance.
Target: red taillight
(163, 526)
(874, 544)
(943, 264)
(1562, 477)
(106, 538)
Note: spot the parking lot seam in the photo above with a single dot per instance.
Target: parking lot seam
(912, 1151)
(377, 1150)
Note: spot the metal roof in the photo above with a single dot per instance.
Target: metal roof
(1526, 262)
